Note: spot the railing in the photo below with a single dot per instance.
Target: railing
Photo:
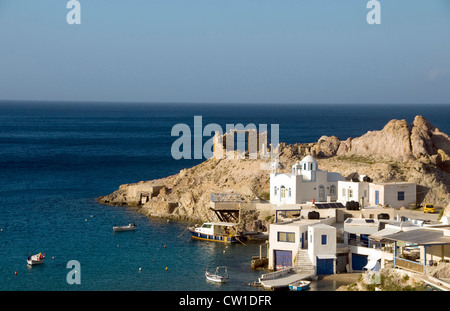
(226, 197)
(410, 265)
(276, 274)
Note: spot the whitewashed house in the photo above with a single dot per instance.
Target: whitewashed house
(353, 191)
(305, 183)
(315, 238)
(322, 248)
(395, 194)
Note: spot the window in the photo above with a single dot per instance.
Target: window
(350, 193)
(283, 192)
(290, 192)
(333, 190)
(401, 196)
(324, 239)
(286, 237)
(275, 190)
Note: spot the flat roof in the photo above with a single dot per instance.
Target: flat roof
(393, 183)
(225, 224)
(420, 236)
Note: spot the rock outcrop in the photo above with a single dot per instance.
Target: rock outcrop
(418, 153)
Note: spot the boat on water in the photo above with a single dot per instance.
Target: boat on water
(299, 285)
(215, 231)
(129, 227)
(36, 259)
(220, 276)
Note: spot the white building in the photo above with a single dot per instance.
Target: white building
(396, 195)
(353, 191)
(316, 238)
(305, 183)
(322, 248)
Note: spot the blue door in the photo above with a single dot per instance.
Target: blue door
(358, 262)
(283, 259)
(377, 197)
(325, 266)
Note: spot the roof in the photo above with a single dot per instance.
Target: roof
(361, 226)
(309, 158)
(225, 224)
(421, 237)
(379, 235)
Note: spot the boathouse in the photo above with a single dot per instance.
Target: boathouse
(303, 244)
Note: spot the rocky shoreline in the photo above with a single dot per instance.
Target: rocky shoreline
(417, 152)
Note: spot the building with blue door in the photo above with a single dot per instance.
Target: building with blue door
(393, 194)
(322, 248)
(315, 237)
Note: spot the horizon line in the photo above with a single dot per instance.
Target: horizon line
(56, 101)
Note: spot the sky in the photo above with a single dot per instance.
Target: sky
(226, 51)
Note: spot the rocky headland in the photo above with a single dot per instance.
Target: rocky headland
(417, 152)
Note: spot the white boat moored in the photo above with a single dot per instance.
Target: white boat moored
(36, 259)
(129, 227)
(299, 285)
(217, 276)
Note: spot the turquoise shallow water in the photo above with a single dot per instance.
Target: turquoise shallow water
(55, 159)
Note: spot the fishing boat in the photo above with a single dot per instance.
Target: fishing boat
(218, 277)
(299, 285)
(36, 259)
(215, 231)
(129, 227)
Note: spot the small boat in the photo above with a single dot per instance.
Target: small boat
(129, 227)
(36, 259)
(215, 231)
(299, 285)
(217, 276)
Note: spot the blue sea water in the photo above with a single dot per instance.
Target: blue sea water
(56, 158)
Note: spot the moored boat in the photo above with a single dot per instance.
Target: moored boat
(36, 259)
(218, 276)
(129, 227)
(215, 231)
(299, 285)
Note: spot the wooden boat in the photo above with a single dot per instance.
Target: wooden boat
(299, 285)
(129, 227)
(36, 259)
(215, 231)
(217, 276)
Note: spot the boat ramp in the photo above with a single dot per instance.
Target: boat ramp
(282, 278)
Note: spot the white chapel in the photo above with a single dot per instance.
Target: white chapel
(305, 183)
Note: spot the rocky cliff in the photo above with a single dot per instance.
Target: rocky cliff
(418, 153)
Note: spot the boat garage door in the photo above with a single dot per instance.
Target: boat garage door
(325, 265)
(283, 259)
(358, 262)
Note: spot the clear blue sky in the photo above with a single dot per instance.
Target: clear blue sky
(258, 51)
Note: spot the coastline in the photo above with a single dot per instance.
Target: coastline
(418, 153)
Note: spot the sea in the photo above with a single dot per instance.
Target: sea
(56, 158)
